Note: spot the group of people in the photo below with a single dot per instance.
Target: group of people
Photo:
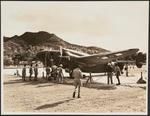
(77, 75)
(51, 72)
(110, 69)
(31, 71)
(55, 73)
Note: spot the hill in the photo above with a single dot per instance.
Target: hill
(36, 41)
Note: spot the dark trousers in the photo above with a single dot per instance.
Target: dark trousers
(109, 77)
(35, 78)
(126, 73)
(23, 77)
(117, 76)
(54, 75)
(30, 76)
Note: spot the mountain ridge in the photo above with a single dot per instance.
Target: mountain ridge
(36, 41)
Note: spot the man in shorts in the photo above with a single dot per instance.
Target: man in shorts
(77, 75)
(60, 74)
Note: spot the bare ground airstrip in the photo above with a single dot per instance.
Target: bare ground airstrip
(43, 96)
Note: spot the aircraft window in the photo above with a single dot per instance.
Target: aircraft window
(104, 58)
(119, 54)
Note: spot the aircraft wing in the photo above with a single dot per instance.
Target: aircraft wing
(125, 61)
(108, 56)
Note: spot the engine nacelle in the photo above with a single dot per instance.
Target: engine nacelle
(139, 65)
(139, 59)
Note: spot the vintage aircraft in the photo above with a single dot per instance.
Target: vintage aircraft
(95, 63)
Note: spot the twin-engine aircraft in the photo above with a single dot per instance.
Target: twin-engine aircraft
(95, 63)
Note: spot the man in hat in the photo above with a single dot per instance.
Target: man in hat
(109, 70)
(77, 75)
(60, 73)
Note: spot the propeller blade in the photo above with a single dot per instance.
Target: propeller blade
(60, 51)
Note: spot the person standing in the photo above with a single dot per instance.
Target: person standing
(24, 72)
(30, 72)
(77, 75)
(60, 74)
(36, 72)
(117, 73)
(109, 70)
(48, 72)
(126, 69)
(54, 72)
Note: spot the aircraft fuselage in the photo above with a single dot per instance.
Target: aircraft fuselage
(90, 63)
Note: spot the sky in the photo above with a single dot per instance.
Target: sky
(113, 25)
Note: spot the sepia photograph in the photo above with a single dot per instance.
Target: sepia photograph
(74, 57)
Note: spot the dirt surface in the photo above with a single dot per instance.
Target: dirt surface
(43, 96)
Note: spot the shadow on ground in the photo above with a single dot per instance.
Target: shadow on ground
(53, 104)
(50, 84)
(67, 81)
(101, 86)
(142, 86)
(14, 81)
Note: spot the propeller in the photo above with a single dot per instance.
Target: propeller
(61, 52)
(60, 49)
